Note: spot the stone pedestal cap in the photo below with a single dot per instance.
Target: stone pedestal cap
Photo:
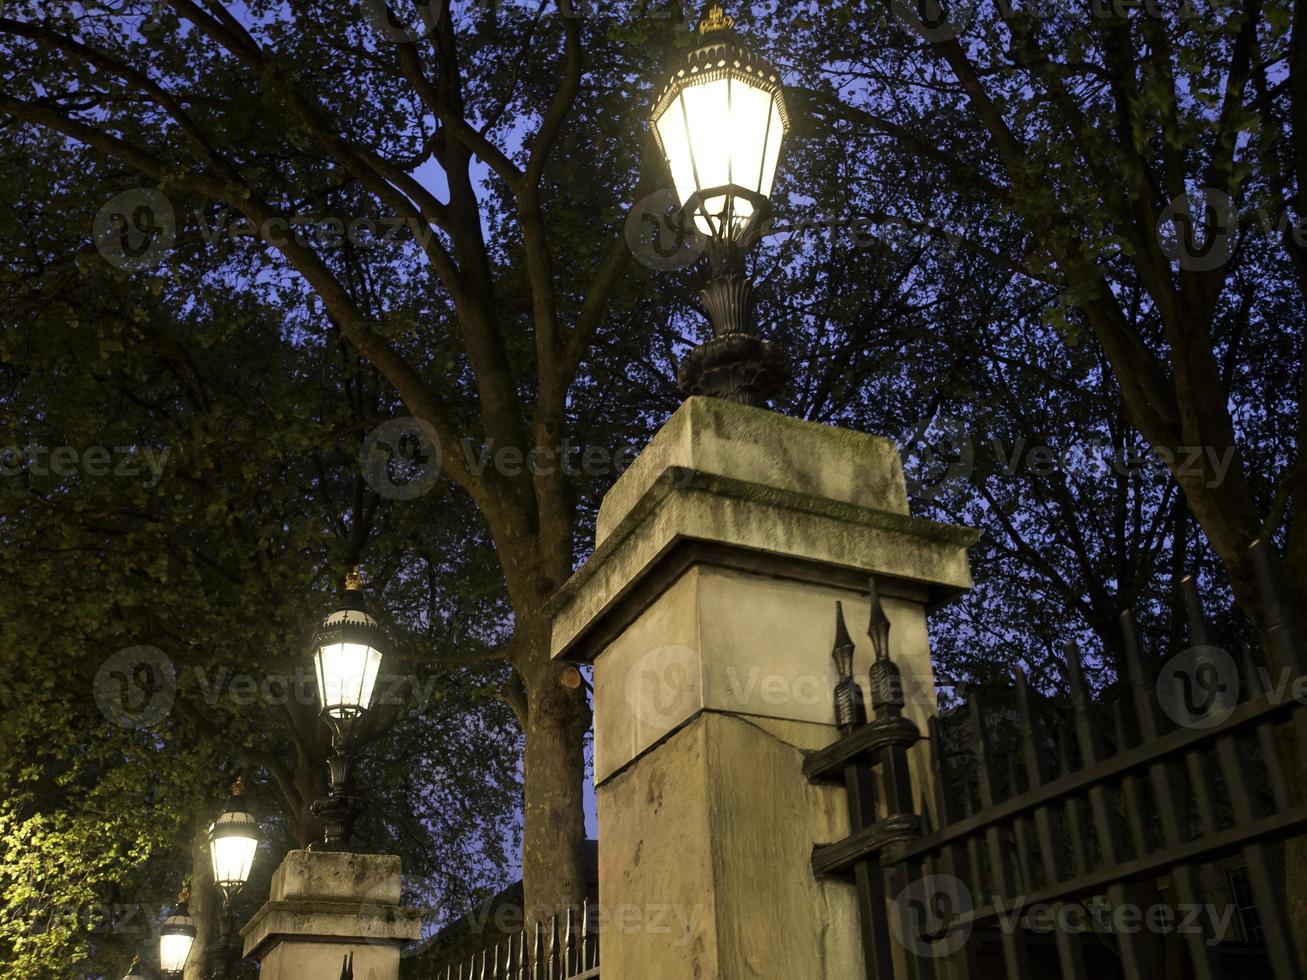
(333, 896)
(752, 490)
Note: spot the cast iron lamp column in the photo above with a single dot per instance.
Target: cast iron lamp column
(348, 648)
(233, 840)
(176, 937)
(720, 122)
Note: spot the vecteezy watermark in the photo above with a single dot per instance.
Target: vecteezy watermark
(136, 687)
(666, 685)
(664, 237)
(135, 229)
(660, 236)
(1199, 687)
(932, 917)
(933, 20)
(937, 454)
(127, 462)
(401, 458)
(1199, 230)
(929, 916)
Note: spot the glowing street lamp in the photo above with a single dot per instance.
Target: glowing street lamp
(348, 649)
(233, 840)
(720, 122)
(176, 937)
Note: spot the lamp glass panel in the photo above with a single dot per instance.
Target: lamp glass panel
(347, 673)
(232, 859)
(772, 152)
(720, 132)
(173, 951)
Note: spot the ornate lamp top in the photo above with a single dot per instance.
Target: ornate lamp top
(354, 580)
(715, 18)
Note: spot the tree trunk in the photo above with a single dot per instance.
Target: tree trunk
(553, 779)
(204, 903)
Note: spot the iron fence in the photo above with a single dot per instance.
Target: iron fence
(1019, 862)
(565, 948)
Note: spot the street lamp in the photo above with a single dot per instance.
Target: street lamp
(176, 936)
(720, 122)
(233, 840)
(348, 648)
(134, 971)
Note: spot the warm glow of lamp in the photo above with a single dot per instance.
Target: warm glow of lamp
(233, 841)
(176, 936)
(720, 122)
(348, 656)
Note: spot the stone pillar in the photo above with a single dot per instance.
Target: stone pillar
(708, 611)
(325, 907)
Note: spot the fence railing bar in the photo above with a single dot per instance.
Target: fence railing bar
(1171, 810)
(1013, 941)
(1107, 827)
(1111, 769)
(952, 857)
(1223, 843)
(1070, 950)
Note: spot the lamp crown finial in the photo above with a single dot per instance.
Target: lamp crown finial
(354, 580)
(716, 19)
(238, 787)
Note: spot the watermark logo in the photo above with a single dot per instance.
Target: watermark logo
(1197, 230)
(932, 21)
(924, 916)
(136, 687)
(663, 687)
(400, 459)
(661, 236)
(414, 19)
(134, 229)
(937, 452)
(1199, 687)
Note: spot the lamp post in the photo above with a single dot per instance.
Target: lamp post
(720, 121)
(176, 937)
(348, 648)
(233, 840)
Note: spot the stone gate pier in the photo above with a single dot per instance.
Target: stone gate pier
(328, 909)
(707, 610)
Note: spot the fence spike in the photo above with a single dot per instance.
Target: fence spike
(554, 971)
(538, 953)
(585, 935)
(1283, 643)
(1201, 633)
(569, 941)
(850, 709)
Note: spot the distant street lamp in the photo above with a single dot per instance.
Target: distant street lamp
(134, 971)
(176, 936)
(233, 840)
(720, 122)
(348, 648)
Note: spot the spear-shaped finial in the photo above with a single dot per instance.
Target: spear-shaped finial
(886, 680)
(347, 967)
(850, 711)
(878, 628)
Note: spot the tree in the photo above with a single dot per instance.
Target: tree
(1112, 140)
